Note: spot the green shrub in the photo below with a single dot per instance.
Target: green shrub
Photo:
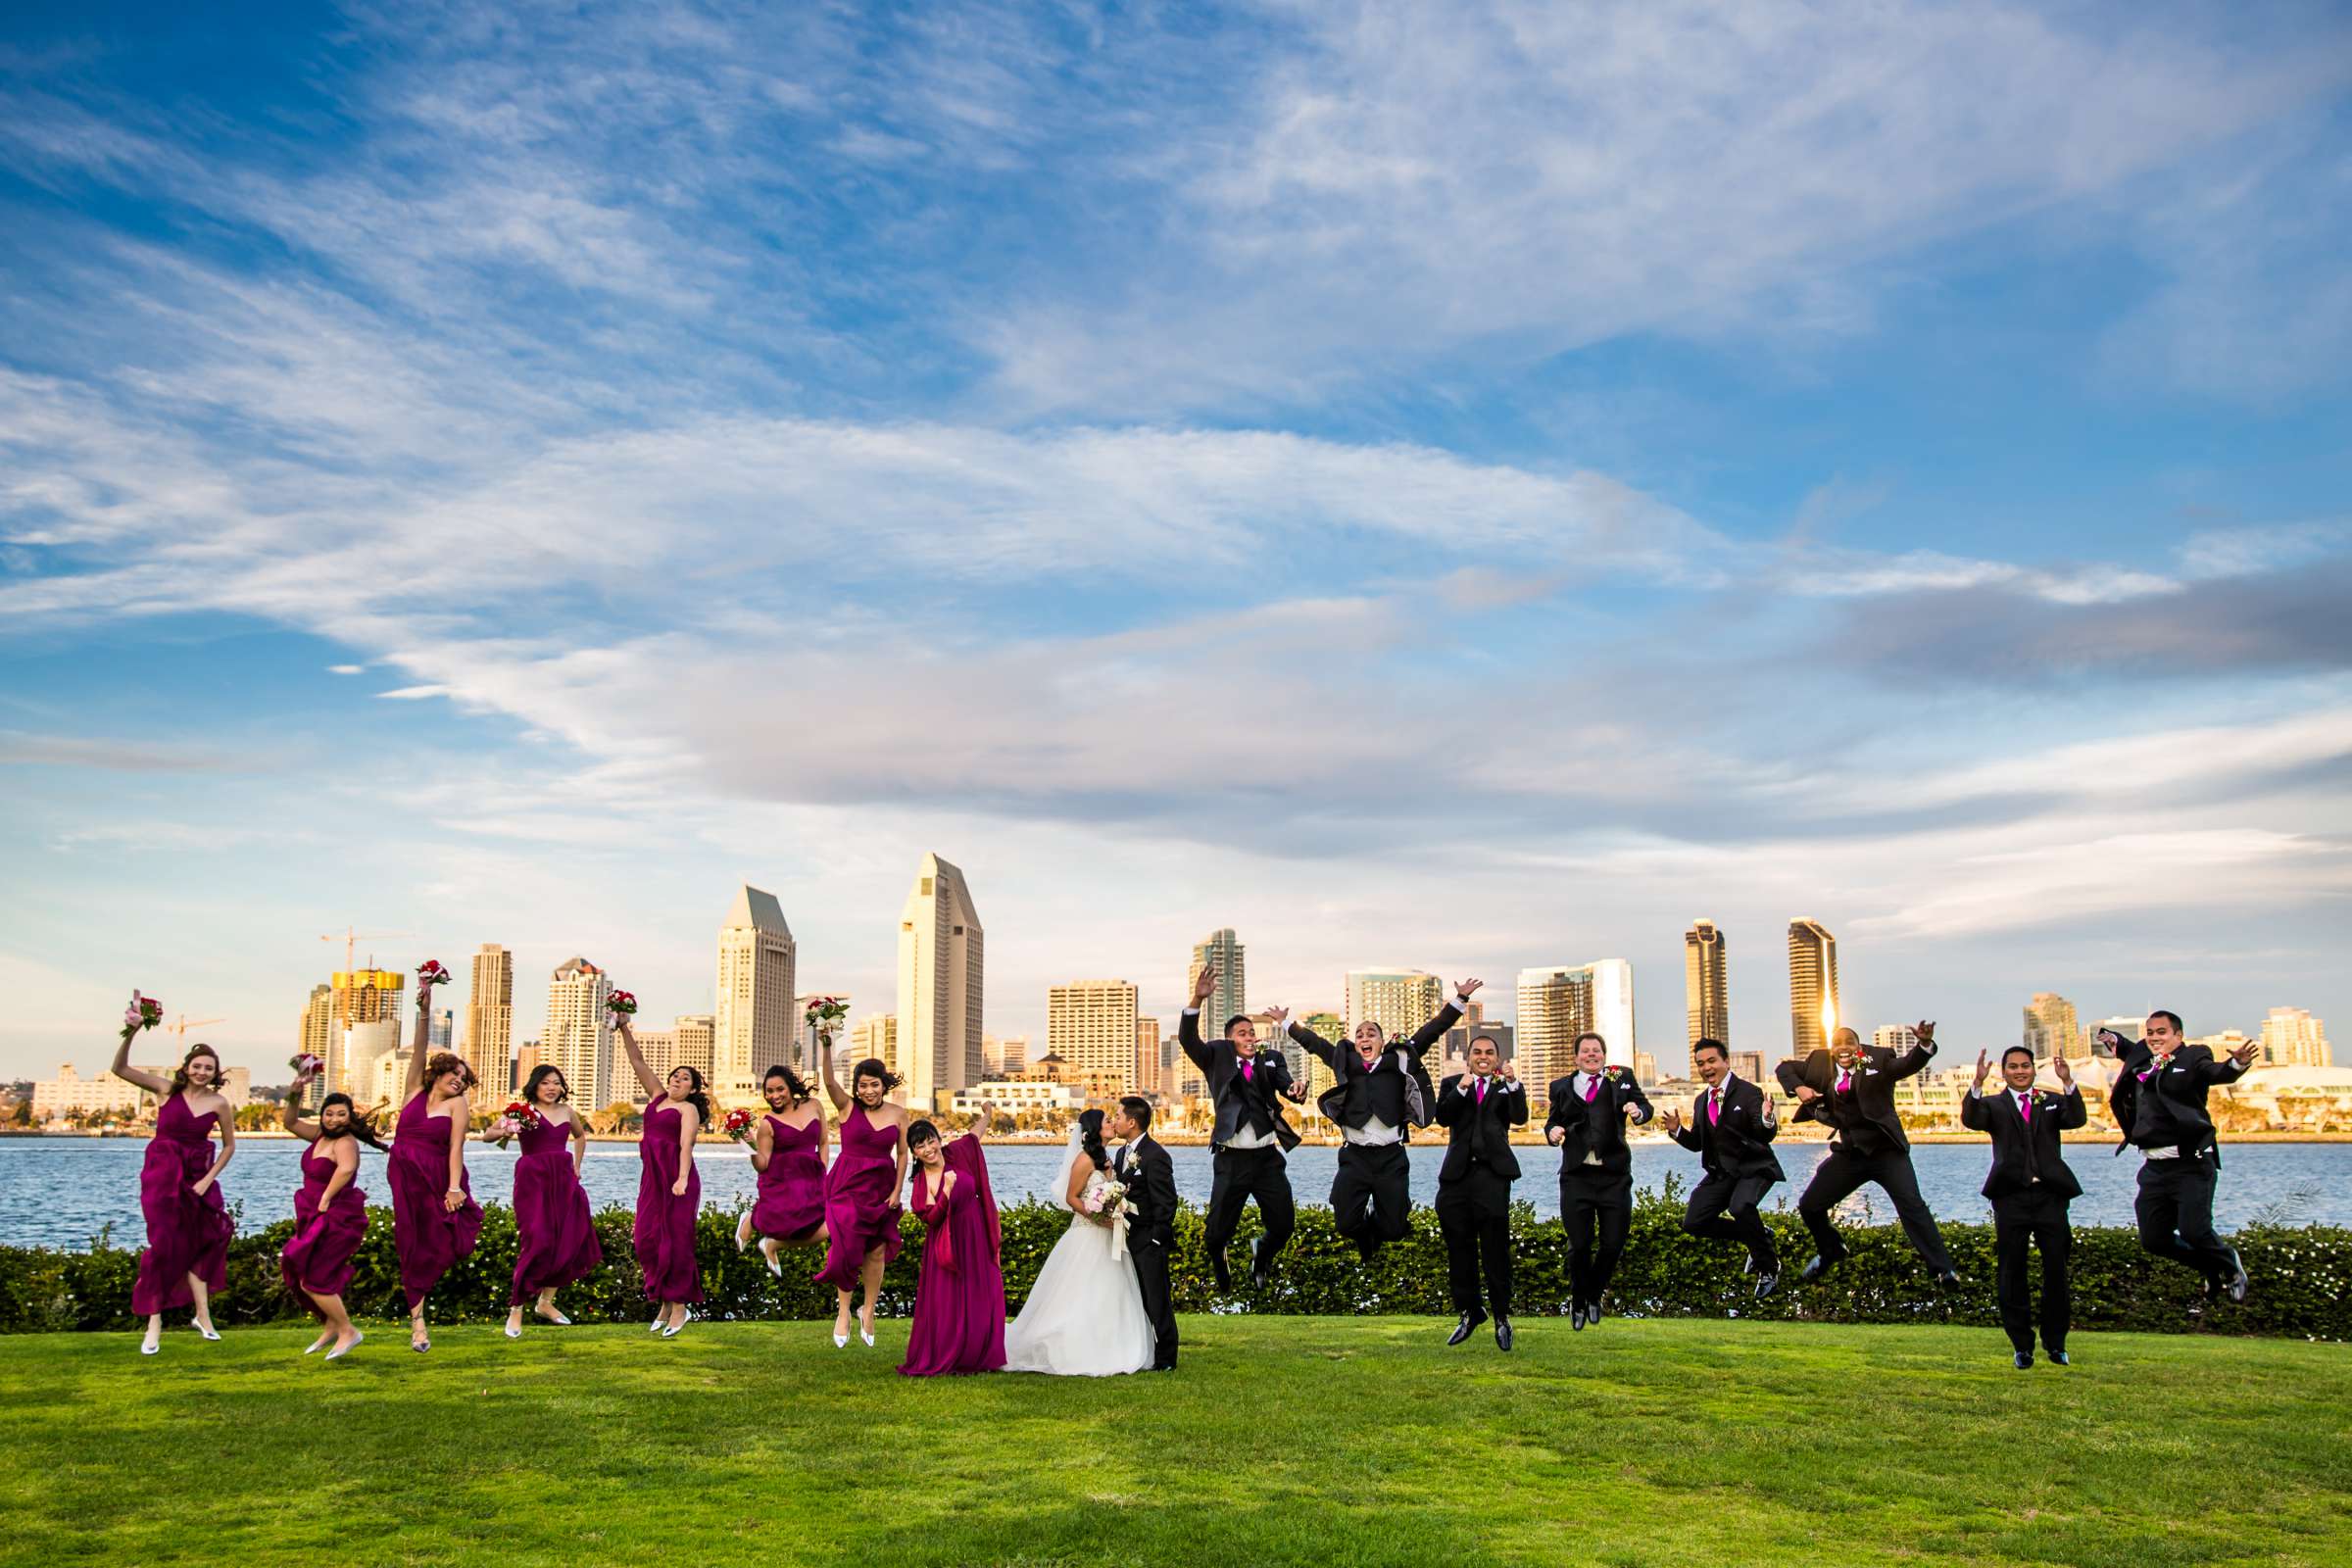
(2302, 1276)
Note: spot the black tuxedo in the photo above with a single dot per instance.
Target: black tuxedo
(1735, 1154)
(1151, 1180)
(1597, 1182)
(2031, 1187)
(1248, 1094)
(1868, 1143)
(2161, 1111)
(1371, 1195)
(1474, 1189)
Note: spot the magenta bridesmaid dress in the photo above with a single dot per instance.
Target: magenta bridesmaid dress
(554, 1236)
(860, 1208)
(185, 1233)
(666, 1222)
(792, 1189)
(317, 1256)
(959, 1296)
(430, 1238)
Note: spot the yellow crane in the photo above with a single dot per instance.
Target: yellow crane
(183, 1023)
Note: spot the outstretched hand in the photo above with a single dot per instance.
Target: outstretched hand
(1463, 988)
(2066, 1073)
(1205, 984)
(1983, 1065)
(1671, 1119)
(2244, 1055)
(1278, 1017)
(1925, 1030)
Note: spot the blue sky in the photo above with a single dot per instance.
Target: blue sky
(1474, 487)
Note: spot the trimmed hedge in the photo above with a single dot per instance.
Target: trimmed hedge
(2301, 1276)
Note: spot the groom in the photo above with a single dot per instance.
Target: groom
(1144, 1169)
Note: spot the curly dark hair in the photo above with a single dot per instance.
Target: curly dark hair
(446, 1062)
(699, 1100)
(359, 1126)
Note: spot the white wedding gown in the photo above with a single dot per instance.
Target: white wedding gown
(1085, 1315)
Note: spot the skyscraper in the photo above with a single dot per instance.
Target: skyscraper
(490, 1015)
(316, 1030)
(1813, 998)
(1451, 1054)
(754, 1025)
(1150, 1065)
(940, 990)
(1224, 950)
(1400, 1000)
(1707, 990)
(362, 996)
(579, 1039)
(1091, 1025)
(697, 1032)
(1613, 1007)
(442, 1031)
(2052, 1028)
(875, 1036)
(2292, 1037)
(1556, 1005)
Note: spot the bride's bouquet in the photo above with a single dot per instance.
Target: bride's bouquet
(1111, 1198)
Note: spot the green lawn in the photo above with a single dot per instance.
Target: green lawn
(1281, 1440)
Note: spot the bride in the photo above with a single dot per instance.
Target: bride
(1085, 1315)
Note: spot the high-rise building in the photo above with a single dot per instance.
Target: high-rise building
(1091, 1025)
(2052, 1028)
(1813, 996)
(1400, 1000)
(697, 1034)
(1706, 987)
(2292, 1037)
(1645, 1067)
(490, 1015)
(659, 1047)
(940, 965)
(315, 1030)
(531, 1054)
(1006, 1058)
(1556, 1005)
(1451, 1054)
(1895, 1036)
(804, 1033)
(580, 1035)
(757, 1021)
(1613, 1007)
(1231, 994)
(1749, 1064)
(362, 996)
(370, 1043)
(1149, 1063)
(876, 1037)
(441, 1031)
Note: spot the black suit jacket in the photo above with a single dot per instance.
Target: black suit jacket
(1740, 1146)
(1868, 1110)
(1360, 1093)
(1150, 1179)
(2020, 1150)
(1477, 1131)
(2179, 1105)
(1239, 1101)
(1598, 1126)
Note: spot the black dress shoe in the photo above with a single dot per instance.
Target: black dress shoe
(1576, 1315)
(2024, 1360)
(1767, 1282)
(1948, 1280)
(1592, 1313)
(2058, 1358)
(2236, 1288)
(1461, 1330)
(1503, 1332)
(1815, 1269)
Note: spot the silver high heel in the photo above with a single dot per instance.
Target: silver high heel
(149, 1346)
(841, 1342)
(342, 1350)
(551, 1315)
(320, 1344)
(513, 1332)
(208, 1331)
(671, 1331)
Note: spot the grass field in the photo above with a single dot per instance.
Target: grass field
(1343, 1441)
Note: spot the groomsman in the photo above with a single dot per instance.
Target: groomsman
(1589, 1110)
(2030, 1188)
(1478, 1109)
(2159, 1103)
(1149, 1177)
(1252, 1135)
(1733, 1124)
(1851, 1088)
(1379, 1095)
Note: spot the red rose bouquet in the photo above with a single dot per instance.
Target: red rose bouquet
(621, 1005)
(144, 1013)
(306, 1066)
(739, 1123)
(517, 1118)
(429, 974)
(825, 1015)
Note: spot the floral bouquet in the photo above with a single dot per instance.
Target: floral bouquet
(1112, 1199)
(304, 1064)
(739, 1123)
(621, 1005)
(517, 1118)
(825, 1015)
(144, 1013)
(430, 973)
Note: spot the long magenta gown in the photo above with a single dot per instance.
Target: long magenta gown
(666, 1223)
(792, 1189)
(430, 1239)
(861, 1211)
(185, 1233)
(555, 1237)
(317, 1256)
(959, 1296)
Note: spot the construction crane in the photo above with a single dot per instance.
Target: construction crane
(183, 1023)
(351, 937)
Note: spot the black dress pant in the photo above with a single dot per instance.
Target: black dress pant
(2034, 1217)
(1596, 1204)
(1150, 1256)
(1723, 1208)
(1843, 1172)
(1242, 1174)
(2175, 1209)
(1371, 1198)
(1474, 1213)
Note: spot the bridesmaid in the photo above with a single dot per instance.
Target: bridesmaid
(554, 1236)
(330, 1213)
(788, 1151)
(959, 1296)
(669, 1190)
(862, 1191)
(435, 1220)
(189, 1228)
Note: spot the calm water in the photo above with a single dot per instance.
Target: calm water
(61, 1192)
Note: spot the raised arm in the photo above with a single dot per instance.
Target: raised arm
(637, 1062)
(419, 1039)
(1188, 1028)
(1920, 1055)
(288, 1117)
(1315, 1046)
(1430, 1033)
(154, 1083)
(840, 1095)
(2226, 1069)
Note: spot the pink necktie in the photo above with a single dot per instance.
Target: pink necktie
(1593, 1090)
(1714, 1107)
(2025, 1109)
(1846, 1079)
(1482, 1091)
(1249, 1073)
